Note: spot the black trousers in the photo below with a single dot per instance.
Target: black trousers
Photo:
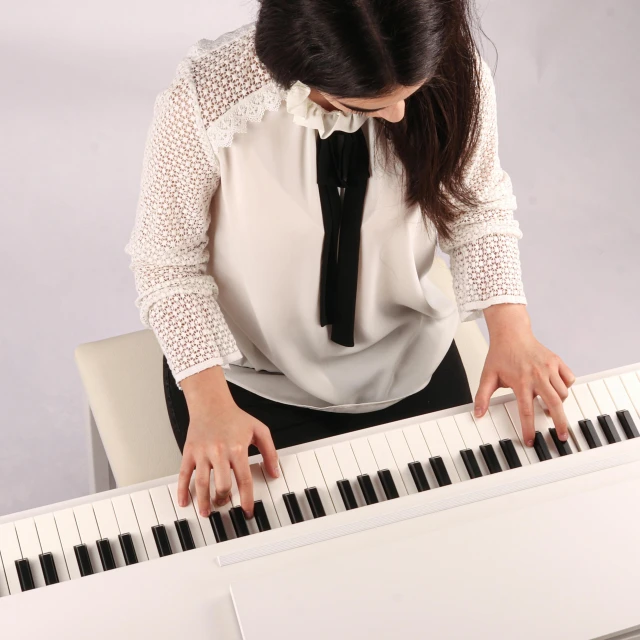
(291, 425)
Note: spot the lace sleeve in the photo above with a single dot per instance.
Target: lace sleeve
(168, 244)
(483, 250)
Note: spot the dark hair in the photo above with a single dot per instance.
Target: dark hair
(369, 48)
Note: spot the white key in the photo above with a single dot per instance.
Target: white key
(10, 550)
(128, 523)
(420, 451)
(332, 475)
(147, 519)
(50, 543)
(187, 513)
(30, 547)
(471, 436)
(277, 488)
(438, 447)
(631, 383)
(505, 429)
(621, 398)
(367, 464)
(385, 460)
(402, 455)
(294, 478)
(69, 538)
(235, 500)
(166, 514)
(108, 526)
(606, 405)
(514, 414)
(589, 408)
(314, 478)
(4, 587)
(574, 415)
(455, 444)
(489, 435)
(261, 492)
(89, 533)
(349, 469)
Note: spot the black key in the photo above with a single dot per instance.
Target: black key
(49, 570)
(24, 575)
(471, 463)
(419, 476)
(128, 549)
(238, 521)
(346, 492)
(83, 559)
(162, 540)
(541, 448)
(368, 491)
(260, 515)
(630, 429)
(589, 433)
(217, 525)
(610, 432)
(510, 453)
(293, 508)
(440, 471)
(490, 458)
(388, 484)
(315, 503)
(184, 535)
(106, 554)
(562, 446)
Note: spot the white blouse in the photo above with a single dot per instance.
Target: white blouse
(226, 246)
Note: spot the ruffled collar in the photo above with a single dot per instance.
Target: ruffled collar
(307, 113)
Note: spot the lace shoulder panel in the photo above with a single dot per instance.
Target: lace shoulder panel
(232, 85)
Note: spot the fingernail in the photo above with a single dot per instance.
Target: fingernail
(477, 412)
(182, 502)
(204, 513)
(564, 436)
(530, 443)
(248, 515)
(277, 471)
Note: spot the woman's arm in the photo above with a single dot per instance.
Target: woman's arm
(177, 298)
(486, 271)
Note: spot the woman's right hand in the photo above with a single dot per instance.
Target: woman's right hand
(218, 438)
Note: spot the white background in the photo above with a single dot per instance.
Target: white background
(78, 84)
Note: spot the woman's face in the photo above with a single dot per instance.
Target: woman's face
(390, 107)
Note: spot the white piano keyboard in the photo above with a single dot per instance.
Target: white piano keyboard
(124, 551)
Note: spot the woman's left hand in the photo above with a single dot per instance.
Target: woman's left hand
(518, 361)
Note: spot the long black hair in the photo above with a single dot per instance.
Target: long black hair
(369, 48)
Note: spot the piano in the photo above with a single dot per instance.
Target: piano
(442, 525)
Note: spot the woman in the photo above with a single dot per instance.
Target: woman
(298, 173)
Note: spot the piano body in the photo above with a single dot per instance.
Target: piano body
(439, 526)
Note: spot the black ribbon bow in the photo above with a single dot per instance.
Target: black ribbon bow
(342, 161)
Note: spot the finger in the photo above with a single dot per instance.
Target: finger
(524, 396)
(221, 480)
(184, 477)
(203, 483)
(245, 483)
(566, 374)
(556, 410)
(559, 386)
(488, 384)
(263, 440)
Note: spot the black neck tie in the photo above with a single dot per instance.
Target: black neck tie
(342, 161)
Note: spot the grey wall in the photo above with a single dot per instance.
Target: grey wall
(79, 81)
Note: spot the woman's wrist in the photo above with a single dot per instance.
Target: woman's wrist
(207, 392)
(506, 318)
